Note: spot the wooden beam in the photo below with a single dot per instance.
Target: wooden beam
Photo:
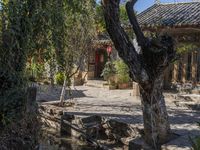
(194, 66)
(184, 68)
(175, 72)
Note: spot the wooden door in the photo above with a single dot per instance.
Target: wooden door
(100, 60)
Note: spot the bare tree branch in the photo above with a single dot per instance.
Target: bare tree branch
(121, 40)
(142, 42)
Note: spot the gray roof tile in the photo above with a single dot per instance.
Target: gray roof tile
(174, 14)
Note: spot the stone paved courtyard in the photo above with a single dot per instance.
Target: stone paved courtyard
(122, 105)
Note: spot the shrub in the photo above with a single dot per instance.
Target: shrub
(38, 70)
(59, 78)
(196, 141)
(122, 72)
(108, 71)
(35, 72)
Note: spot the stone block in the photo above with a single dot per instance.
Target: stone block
(136, 90)
(119, 130)
(92, 125)
(65, 128)
(91, 120)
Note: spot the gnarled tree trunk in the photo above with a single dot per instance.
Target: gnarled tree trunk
(146, 68)
(155, 117)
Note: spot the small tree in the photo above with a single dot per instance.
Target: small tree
(146, 68)
(72, 34)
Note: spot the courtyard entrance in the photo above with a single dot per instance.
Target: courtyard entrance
(101, 58)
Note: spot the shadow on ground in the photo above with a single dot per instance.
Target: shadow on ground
(47, 95)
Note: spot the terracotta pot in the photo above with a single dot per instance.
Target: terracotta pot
(123, 85)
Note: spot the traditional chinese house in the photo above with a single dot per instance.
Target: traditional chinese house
(102, 48)
(180, 20)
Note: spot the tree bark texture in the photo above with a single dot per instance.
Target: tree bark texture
(155, 117)
(146, 68)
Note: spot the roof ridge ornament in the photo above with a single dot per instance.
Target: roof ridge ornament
(157, 2)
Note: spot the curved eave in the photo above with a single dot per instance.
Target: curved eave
(195, 28)
(154, 26)
(101, 43)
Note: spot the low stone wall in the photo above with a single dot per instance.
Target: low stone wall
(136, 90)
(95, 130)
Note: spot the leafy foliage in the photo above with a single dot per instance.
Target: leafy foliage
(117, 69)
(73, 30)
(59, 78)
(35, 32)
(123, 14)
(99, 19)
(196, 141)
(108, 71)
(16, 38)
(35, 71)
(185, 47)
(122, 71)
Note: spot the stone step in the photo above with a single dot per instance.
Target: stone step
(96, 83)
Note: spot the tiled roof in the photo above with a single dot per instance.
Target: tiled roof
(102, 39)
(174, 14)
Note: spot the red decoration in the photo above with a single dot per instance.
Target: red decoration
(109, 49)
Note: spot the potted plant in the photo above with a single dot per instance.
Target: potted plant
(108, 72)
(122, 74)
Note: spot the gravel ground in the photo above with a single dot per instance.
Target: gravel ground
(121, 105)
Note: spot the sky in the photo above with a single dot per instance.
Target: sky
(144, 4)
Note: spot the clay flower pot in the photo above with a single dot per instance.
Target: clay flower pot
(123, 85)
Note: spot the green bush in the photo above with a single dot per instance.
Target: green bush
(40, 69)
(108, 71)
(122, 72)
(59, 78)
(196, 141)
(35, 72)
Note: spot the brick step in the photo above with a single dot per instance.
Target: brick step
(96, 83)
